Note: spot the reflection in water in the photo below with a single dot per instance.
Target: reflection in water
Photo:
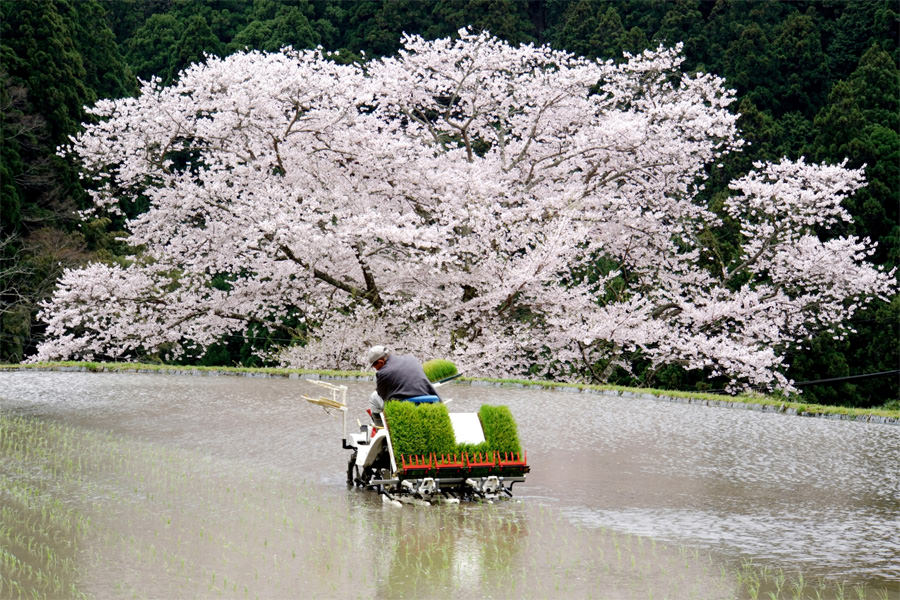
(164, 522)
(198, 486)
(455, 547)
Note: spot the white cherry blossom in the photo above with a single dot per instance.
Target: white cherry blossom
(500, 206)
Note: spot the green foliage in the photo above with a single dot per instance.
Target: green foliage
(106, 73)
(40, 52)
(288, 27)
(15, 325)
(439, 368)
(149, 50)
(800, 65)
(196, 40)
(591, 28)
(891, 405)
(11, 163)
(861, 121)
(500, 430)
(55, 57)
(873, 344)
(244, 348)
(507, 19)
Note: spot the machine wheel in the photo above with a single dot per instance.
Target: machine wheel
(381, 464)
(366, 476)
(374, 470)
(351, 468)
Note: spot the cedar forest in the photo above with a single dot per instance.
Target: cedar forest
(813, 81)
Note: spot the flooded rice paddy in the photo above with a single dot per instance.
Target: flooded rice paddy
(173, 486)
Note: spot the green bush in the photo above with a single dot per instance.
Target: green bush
(891, 405)
(438, 368)
(500, 431)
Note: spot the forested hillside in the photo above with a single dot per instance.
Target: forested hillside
(813, 79)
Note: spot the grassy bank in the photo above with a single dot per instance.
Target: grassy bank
(758, 401)
(117, 367)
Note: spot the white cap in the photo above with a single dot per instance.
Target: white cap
(374, 353)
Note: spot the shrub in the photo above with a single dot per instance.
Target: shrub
(438, 368)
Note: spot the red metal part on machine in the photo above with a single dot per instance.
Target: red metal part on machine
(410, 462)
(449, 461)
(414, 461)
(479, 460)
(512, 459)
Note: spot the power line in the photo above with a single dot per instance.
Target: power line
(849, 377)
(816, 381)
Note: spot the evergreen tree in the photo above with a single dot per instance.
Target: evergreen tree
(125, 17)
(106, 73)
(331, 22)
(591, 28)
(684, 23)
(862, 121)
(256, 35)
(289, 26)
(375, 27)
(854, 29)
(149, 51)
(13, 134)
(46, 93)
(800, 63)
(747, 61)
(506, 19)
(196, 40)
(292, 28)
(42, 55)
(57, 56)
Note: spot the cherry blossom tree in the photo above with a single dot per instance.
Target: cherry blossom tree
(502, 206)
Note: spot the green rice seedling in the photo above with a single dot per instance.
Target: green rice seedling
(263, 534)
(780, 579)
(500, 430)
(439, 368)
(426, 428)
(419, 429)
(38, 534)
(840, 591)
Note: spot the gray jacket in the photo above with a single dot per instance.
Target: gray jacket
(402, 377)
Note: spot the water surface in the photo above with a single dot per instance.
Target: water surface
(236, 486)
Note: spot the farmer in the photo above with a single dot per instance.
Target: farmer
(398, 377)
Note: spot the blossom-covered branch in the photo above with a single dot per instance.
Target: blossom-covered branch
(502, 206)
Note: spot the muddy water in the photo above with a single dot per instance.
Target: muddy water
(220, 485)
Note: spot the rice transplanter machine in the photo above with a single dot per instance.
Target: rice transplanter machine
(429, 477)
